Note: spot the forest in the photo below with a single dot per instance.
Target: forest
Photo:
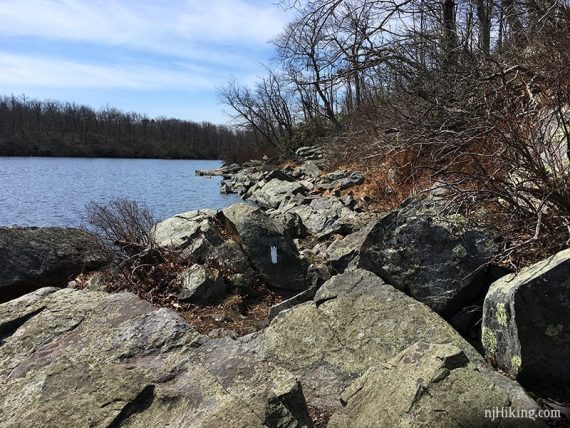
(30, 127)
(472, 96)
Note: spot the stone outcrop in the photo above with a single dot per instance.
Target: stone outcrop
(31, 258)
(526, 325)
(437, 259)
(359, 346)
(75, 358)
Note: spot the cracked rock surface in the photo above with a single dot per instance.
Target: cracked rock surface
(76, 358)
(430, 385)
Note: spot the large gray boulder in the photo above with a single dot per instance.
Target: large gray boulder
(199, 236)
(355, 322)
(437, 259)
(526, 325)
(432, 385)
(31, 258)
(324, 213)
(75, 358)
(275, 192)
(194, 233)
(270, 250)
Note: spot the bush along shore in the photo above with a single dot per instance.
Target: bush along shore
(300, 307)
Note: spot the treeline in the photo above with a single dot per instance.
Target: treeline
(471, 94)
(50, 128)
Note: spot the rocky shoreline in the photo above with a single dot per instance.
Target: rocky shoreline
(381, 320)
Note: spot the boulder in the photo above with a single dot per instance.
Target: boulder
(270, 250)
(432, 385)
(292, 222)
(275, 192)
(31, 258)
(193, 232)
(310, 152)
(76, 358)
(324, 213)
(230, 259)
(309, 169)
(201, 285)
(356, 321)
(437, 259)
(526, 325)
(343, 253)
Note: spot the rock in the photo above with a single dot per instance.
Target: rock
(343, 253)
(31, 258)
(222, 171)
(280, 175)
(275, 192)
(526, 325)
(432, 257)
(230, 259)
(310, 169)
(201, 285)
(225, 188)
(271, 251)
(355, 322)
(324, 212)
(194, 232)
(221, 332)
(96, 282)
(310, 152)
(354, 179)
(292, 222)
(317, 275)
(76, 358)
(431, 385)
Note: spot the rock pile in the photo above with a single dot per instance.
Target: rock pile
(367, 337)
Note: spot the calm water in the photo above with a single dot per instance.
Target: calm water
(54, 191)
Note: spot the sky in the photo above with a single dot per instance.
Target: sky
(160, 58)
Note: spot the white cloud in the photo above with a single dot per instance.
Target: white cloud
(36, 71)
(144, 46)
(179, 27)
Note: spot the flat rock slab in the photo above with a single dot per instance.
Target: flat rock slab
(77, 358)
(526, 325)
(429, 385)
(31, 258)
(355, 322)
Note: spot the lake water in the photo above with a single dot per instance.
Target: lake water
(38, 191)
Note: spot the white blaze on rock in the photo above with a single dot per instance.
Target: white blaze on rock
(274, 254)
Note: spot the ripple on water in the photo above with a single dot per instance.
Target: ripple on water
(53, 191)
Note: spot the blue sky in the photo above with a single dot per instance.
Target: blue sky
(161, 58)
